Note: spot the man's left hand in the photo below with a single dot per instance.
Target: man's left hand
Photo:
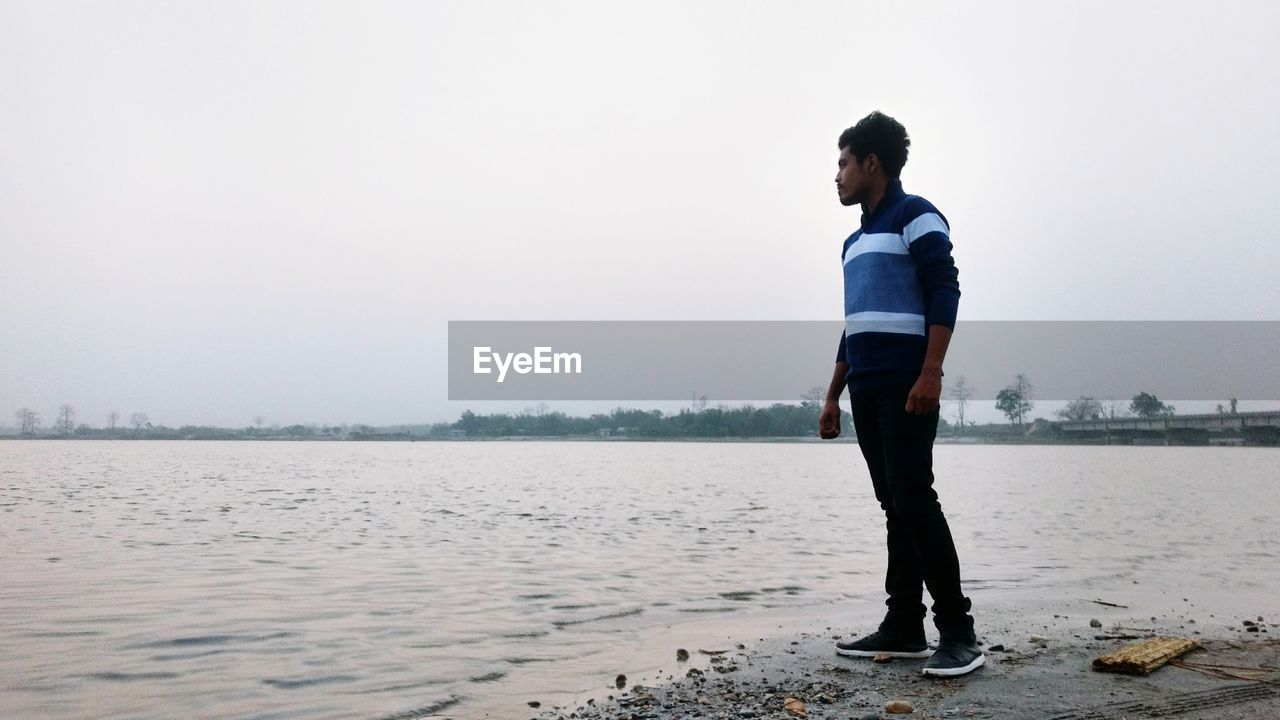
(925, 394)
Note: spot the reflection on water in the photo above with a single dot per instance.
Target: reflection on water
(310, 580)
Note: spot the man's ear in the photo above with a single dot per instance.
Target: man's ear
(870, 163)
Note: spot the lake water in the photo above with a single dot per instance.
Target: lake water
(381, 580)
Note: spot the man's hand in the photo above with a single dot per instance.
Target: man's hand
(829, 420)
(925, 394)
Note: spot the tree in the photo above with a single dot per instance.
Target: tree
(1146, 405)
(813, 397)
(1082, 408)
(113, 417)
(960, 392)
(28, 421)
(139, 420)
(469, 422)
(1111, 408)
(66, 421)
(1015, 400)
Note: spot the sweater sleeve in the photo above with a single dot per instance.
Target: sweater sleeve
(928, 239)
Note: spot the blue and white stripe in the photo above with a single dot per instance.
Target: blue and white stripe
(891, 243)
(885, 322)
(924, 224)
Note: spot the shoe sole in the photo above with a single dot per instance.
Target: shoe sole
(890, 653)
(952, 672)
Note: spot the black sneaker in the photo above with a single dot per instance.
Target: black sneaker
(884, 643)
(953, 658)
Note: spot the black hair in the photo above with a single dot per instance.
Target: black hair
(880, 134)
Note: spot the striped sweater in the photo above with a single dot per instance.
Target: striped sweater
(899, 278)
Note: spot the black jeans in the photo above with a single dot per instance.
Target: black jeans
(898, 448)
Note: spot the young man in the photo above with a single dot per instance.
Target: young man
(900, 297)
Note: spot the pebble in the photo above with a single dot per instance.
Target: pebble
(682, 655)
(898, 707)
(882, 659)
(1095, 623)
(620, 681)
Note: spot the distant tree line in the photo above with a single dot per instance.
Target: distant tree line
(700, 421)
(1015, 401)
(777, 420)
(140, 427)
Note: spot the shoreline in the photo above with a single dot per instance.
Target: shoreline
(1038, 666)
(1051, 681)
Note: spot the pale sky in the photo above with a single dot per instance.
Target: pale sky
(211, 211)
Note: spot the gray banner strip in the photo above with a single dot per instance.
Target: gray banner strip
(764, 361)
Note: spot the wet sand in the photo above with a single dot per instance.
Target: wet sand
(1028, 682)
(1047, 676)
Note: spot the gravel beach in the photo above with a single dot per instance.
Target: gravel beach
(1037, 667)
(1031, 681)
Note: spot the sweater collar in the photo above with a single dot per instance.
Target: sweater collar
(893, 192)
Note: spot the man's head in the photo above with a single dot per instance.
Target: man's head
(871, 153)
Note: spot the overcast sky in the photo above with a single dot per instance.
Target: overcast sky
(211, 211)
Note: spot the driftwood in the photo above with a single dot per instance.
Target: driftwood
(1144, 657)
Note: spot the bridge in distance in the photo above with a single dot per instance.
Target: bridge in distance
(1247, 428)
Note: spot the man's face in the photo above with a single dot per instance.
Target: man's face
(853, 177)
